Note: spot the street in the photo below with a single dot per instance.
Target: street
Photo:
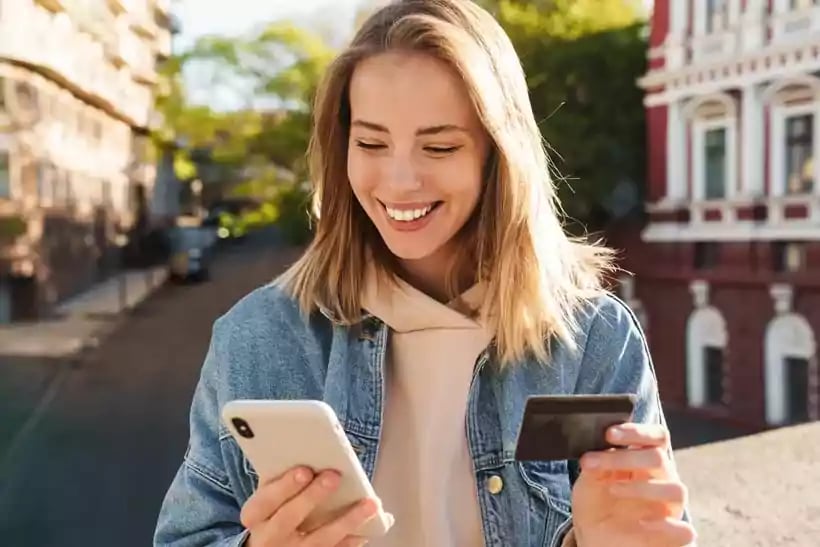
(96, 467)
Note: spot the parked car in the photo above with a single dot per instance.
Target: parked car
(191, 252)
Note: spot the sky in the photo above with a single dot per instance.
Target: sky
(202, 17)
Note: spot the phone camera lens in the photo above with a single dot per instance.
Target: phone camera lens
(242, 427)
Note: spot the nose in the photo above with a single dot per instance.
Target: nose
(402, 175)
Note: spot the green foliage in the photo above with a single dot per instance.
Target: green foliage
(12, 227)
(582, 59)
(277, 70)
(294, 214)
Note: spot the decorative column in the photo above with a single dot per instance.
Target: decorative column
(751, 141)
(675, 153)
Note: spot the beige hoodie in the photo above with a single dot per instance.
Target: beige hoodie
(424, 473)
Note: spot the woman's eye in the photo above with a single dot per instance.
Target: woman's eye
(441, 150)
(370, 145)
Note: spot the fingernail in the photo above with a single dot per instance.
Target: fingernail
(616, 434)
(330, 479)
(302, 476)
(368, 507)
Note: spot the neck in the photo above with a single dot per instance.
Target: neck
(429, 275)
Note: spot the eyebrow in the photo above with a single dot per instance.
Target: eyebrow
(432, 130)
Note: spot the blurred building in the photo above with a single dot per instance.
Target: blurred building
(728, 273)
(77, 85)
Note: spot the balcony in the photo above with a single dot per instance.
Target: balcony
(164, 43)
(143, 24)
(162, 7)
(118, 6)
(795, 217)
(145, 75)
(53, 5)
(718, 45)
(114, 52)
(798, 25)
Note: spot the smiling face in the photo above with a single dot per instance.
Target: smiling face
(416, 154)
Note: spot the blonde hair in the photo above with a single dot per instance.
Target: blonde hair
(536, 277)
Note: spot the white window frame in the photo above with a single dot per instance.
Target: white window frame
(777, 171)
(706, 327)
(699, 129)
(679, 17)
(784, 6)
(787, 335)
(701, 15)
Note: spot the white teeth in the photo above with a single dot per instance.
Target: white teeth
(406, 215)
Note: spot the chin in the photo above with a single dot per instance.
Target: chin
(410, 251)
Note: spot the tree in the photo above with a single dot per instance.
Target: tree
(255, 147)
(582, 59)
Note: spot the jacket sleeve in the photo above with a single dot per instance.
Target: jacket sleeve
(616, 359)
(200, 508)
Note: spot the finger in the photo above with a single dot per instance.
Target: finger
(670, 531)
(647, 459)
(349, 523)
(268, 498)
(293, 513)
(632, 434)
(651, 490)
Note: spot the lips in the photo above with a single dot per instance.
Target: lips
(410, 212)
(410, 216)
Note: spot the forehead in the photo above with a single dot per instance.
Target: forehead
(396, 87)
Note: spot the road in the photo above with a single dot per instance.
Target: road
(95, 469)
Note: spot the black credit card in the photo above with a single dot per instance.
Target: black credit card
(564, 427)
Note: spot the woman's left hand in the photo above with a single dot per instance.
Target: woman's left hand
(631, 497)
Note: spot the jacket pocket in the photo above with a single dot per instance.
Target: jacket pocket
(549, 493)
(242, 476)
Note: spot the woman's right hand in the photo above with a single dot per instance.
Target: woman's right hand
(276, 511)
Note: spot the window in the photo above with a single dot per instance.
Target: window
(799, 154)
(788, 257)
(797, 389)
(713, 129)
(706, 341)
(716, 15)
(26, 97)
(5, 176)
(707, 255)
(801, 4)
(713, 360)
(791, 366)
(715, 164)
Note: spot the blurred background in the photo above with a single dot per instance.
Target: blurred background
(152, 171)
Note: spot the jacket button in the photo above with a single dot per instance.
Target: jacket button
(495, 484)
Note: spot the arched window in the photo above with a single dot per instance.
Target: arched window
(795, 136)
(713, 123)
(706, 343)
(791, 370)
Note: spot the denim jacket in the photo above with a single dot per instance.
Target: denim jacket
(263, 348)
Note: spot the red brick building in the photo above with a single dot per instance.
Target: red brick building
(728, 269)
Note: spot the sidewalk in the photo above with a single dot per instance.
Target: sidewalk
(82, 318)
(759, 490)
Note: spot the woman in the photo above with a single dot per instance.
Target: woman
(438, 294)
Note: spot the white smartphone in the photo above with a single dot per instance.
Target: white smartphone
(277, 436)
